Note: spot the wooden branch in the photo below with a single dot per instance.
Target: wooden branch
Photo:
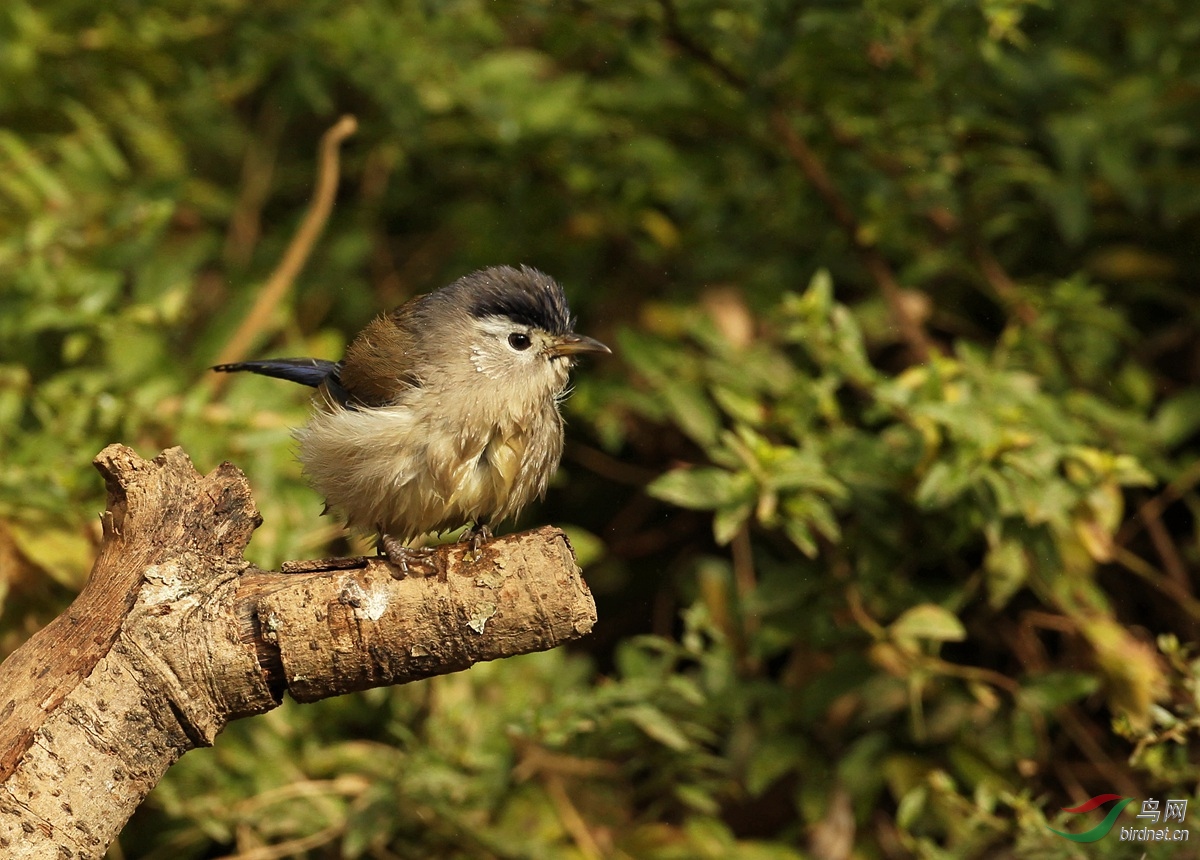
(175, 634)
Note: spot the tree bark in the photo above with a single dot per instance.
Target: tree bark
(175, 634)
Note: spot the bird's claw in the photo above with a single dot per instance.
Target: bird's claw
(403, 557)
(477, 535)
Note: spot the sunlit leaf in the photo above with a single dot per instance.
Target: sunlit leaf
(928, 621)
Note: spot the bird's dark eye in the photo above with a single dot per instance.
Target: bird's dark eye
(519, 341)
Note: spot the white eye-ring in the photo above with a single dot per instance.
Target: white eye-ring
(519, 341)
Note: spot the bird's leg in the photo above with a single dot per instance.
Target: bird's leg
(477, 535)
(395, 551)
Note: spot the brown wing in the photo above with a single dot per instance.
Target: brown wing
(380, 362)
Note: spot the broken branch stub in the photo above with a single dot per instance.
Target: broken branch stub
(175, 634)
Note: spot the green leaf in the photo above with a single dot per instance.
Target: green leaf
(791, 468)
(1044, 693)
(772, 758)
(1178, 418)
(1006, 568)
(818, 296)
(928, 621)
(701, 488)
(801, 535)
(692, 411)
(729, 520)
(942, 485)
(911, 808)
(658, 726)
(694, 797)
(738, 405)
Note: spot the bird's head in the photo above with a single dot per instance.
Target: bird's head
(517, 329)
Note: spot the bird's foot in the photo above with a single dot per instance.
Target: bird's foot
(477, 535)
(404, 557)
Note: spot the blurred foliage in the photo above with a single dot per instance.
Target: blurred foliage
(859, 596)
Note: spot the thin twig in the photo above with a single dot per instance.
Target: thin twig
(814, 171)
(1003, 285)
(943, 222)
(746, 581)
(1184, 482)
(290, 848)
(609, 467)
(1138, 566)
(861, 616)
(347, 785)
(1164, 545)
(1077, 729)
(258, 167)
(979, 674)
(1050, 621)
(1030, 651)
(537, 760)
(876, 265)
(570, 818)
(281, 280)
(1070, 782)
(680, 38)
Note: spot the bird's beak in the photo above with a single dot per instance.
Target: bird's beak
(574, 344)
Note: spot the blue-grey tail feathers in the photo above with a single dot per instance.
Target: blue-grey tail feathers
(306, 371)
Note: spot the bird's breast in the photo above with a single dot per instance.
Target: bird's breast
(408, 472)
(481, 475)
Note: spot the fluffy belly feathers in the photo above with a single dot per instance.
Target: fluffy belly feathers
(437, 478)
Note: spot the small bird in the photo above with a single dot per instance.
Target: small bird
(443, 412)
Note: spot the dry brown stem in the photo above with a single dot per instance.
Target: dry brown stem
(281, 280)
(175, 634)
(1003, 285)
(877, 266)
(900, 308)
(258, 170)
